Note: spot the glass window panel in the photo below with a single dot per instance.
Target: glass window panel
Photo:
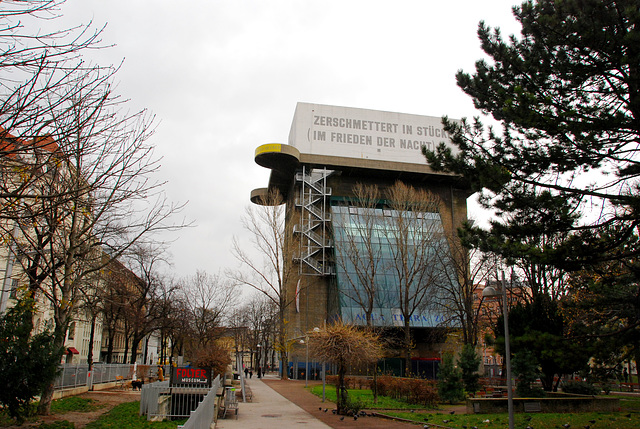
(377, 226)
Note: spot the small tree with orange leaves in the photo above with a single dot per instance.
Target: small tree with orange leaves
(344, 345)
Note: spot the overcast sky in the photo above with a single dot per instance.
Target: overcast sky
(224, 76)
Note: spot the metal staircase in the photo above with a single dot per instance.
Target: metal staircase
(315, 216)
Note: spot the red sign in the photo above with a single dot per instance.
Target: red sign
(190, 376)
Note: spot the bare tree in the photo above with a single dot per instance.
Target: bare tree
(206, 298)
(144, 304)
(34, 64)
(360, 255)
(458, 299)
(114, 299)
(416, 240)
(99, 195)
(180, 332)
(259, 314)
(238, 325)
(344, 345)
(266, 270)
(392, 256)
(91, 308)
(170, 309)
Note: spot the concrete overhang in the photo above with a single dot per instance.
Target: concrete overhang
(284, 160)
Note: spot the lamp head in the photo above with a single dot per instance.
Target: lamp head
(489, 292)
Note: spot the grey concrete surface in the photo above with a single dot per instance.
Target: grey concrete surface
(269, 410)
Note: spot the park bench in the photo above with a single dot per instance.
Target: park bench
(532, 407)
(120, 382)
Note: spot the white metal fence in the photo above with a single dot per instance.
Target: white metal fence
(75, 375)
(159, 401)
(203, 416)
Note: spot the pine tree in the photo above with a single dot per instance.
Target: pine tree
(527, 372)
(27, 363)
(450, 385)
(565, 164)
(469, 362)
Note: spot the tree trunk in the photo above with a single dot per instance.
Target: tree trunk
(284, 361)
(258, 367)
(92, 334)
(163, 343)
(342, 394)
(126, 349)
(44, 407)
(135, 342)
(374, 387)
(284, 354)
(145, 354)
(109, 358)
(407, 347)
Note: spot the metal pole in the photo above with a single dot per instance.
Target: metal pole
(239, 359)
(306, 363)
(324, 373)
(507, 352)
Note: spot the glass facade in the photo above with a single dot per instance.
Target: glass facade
(389, 259)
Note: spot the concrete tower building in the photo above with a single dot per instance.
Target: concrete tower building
(331, 150)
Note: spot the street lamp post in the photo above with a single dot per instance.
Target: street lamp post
(259, 360)
(306, 361)
(491, 292)
(324, 375)
(305, 340)
(306, 369)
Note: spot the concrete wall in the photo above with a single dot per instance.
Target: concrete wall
(547, 405)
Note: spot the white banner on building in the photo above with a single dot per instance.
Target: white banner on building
(366, 134)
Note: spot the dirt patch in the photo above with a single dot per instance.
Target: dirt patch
(105, 399)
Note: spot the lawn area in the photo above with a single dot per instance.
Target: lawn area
(629, 403)
(74, 403)
(627, 418)
(366, 397)
(620, 420)
(126, 416)
(123, 416)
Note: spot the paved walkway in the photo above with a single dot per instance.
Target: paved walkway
(284, 404)
(269, 410)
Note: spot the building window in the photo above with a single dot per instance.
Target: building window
(14, 288)
(358, 235)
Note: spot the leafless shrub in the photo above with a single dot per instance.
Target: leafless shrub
(345, 345)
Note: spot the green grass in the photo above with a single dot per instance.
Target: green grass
(366, 397)
(628, 418)
(629, 403)
(126, 416)
(537, 421)
(123, 416)
(74, 403)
